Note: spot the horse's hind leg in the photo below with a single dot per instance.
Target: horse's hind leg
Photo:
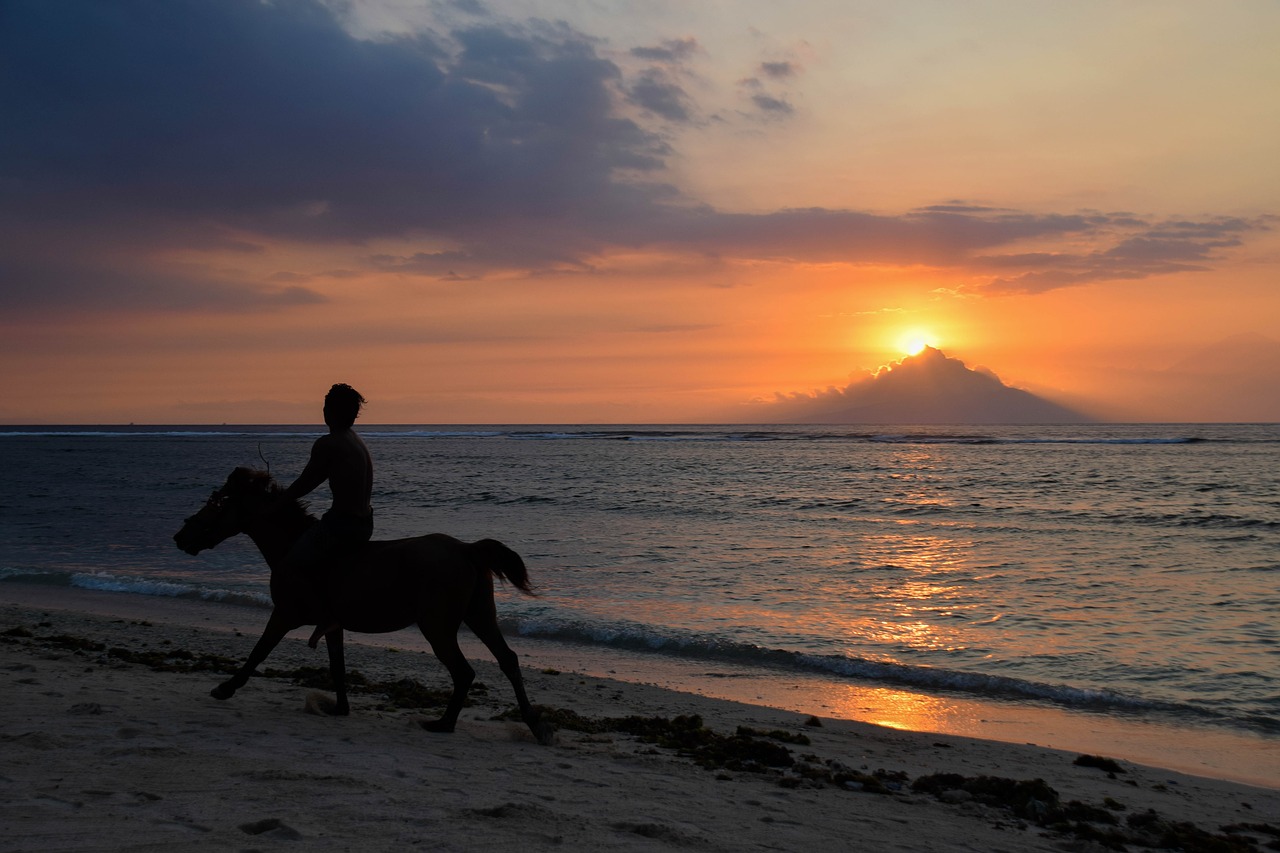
(483, 622)
(338, 673)
(445, 646)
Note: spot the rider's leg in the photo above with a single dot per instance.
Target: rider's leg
(309, 560)
(346, 537)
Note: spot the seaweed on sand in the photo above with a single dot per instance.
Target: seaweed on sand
(746, 750)
(1037, 802)
(403, 693)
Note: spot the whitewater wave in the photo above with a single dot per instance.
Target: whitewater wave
(108, 582)
(640, 638)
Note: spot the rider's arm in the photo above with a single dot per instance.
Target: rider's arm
(316, 472)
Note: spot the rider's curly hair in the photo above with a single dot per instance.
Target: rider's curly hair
(342, 405)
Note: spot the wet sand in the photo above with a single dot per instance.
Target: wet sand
(110, 741)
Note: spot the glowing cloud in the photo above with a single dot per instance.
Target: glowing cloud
(928, 388)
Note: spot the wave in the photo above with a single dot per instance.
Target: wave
(107, 582)
(638, 638)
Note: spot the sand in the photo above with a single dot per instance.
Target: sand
(103, 750)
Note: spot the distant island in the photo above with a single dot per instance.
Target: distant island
(926, 388)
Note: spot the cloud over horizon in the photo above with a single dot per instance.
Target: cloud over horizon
(927, 388)
(493, 146)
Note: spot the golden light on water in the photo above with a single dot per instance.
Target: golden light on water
(899, 709)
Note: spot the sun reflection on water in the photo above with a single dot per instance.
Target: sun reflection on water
(898, 709)
(925, 602)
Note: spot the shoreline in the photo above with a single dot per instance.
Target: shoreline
(1217, 753)
(105, 753)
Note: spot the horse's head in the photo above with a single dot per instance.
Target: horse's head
(242, 498)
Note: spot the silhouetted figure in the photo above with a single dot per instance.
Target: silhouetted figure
(435, 582)
(341, 458)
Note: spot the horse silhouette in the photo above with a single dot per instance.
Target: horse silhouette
(435, 581)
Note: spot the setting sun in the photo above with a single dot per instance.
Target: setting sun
(913, 341)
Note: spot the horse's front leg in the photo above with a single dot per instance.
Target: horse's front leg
(277, 627)
(338, 672)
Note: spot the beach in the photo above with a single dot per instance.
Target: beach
(112, 742)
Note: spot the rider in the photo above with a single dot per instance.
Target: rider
(341, 458)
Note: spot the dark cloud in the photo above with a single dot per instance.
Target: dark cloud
(654, 92)
(133, 127)
(471, 7)
(820, 234)
(286, 276)
(270, 117)
(70, 286)
(670, 51)
(778, 70)
(656, 88)
(520, 252)
(770, 104)
(1132, 249)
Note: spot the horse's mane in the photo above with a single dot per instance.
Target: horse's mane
(258, 482)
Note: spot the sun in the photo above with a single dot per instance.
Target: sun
(913, 341)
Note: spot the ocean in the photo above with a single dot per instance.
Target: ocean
(1129, 571)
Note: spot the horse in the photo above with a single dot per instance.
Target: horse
(436, 582)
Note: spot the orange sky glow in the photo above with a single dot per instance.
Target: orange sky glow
(574, 212)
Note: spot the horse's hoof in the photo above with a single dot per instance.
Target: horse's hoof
(544, 732)
(323, 705)
(222, 691)
(438, 726)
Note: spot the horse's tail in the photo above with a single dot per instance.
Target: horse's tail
(504, 563)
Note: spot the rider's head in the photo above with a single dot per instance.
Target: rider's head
(342, 406)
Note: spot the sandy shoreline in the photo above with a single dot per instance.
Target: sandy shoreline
(104, 752)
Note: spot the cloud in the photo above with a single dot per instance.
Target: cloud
(770, 104)
(1127, 248)
(765, 89)
(98, 287)
(140, 128)
(928, 388)
(656, 88)
(925, 236)
(672, 51)
(779, 70)
(654, 92)
(270, 117)
(471, 7)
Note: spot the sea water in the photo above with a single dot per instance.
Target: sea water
(1124, 570)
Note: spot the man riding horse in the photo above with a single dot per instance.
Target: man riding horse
(436, 582)
(341, 458)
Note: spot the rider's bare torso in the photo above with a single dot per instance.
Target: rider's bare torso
(341, 458)
(350, 474)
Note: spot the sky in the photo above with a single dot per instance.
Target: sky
(644, 211)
